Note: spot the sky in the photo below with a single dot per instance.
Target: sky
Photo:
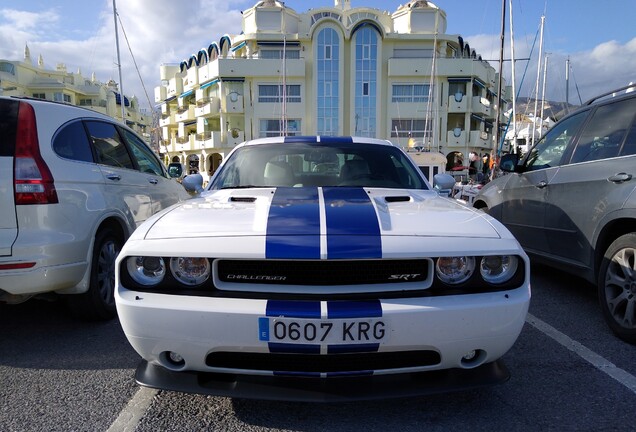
(599, 37)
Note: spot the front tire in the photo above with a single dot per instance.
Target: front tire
(98, 303)
(617, 287)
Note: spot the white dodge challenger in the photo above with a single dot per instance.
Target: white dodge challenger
(321, 269)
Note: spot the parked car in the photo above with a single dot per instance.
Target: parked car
(74, 184)
(286, 282)
(571, 202)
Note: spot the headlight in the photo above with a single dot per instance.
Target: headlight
(498, 269)
(190, 271)
(455, 270)
(146, 270)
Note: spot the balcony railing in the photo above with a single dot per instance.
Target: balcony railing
(185, 115)
(456, 138)
(207, 107)
(457, 103)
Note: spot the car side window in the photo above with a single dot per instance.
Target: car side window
(109, 147)
(550, 149)
(629, 146)
(603, 135)
(146, 160)
(71, 142)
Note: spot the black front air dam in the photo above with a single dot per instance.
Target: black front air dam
(338, 389)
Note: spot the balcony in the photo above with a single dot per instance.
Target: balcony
(165, 109)
(185, 143)
(481, 106)
(166, 121)
(235, 137)
(175, 87)
(160, 94)
(232, 104)
(456, 138)
(480, 139)
(209, 140)
(191, 79)
(207, 107)
(455, 106)
(240, 68)
(185, 115)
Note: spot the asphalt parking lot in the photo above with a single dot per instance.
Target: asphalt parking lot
(568, 373)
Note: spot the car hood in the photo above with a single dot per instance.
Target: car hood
(318, 211)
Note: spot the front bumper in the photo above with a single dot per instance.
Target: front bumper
(198, 329)
(342, 389)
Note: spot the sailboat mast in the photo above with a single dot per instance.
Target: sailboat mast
(499, 81)
(545, 75)
(514, 86)
(121, 85)
(536, 94)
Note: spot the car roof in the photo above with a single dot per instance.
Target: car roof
(45, 102)
(315, 139)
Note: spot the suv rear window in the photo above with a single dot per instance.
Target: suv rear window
(71, 142)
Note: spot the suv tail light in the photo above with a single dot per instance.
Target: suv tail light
(33, 182)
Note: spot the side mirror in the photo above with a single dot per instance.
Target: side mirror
(443, 184)
(508, 163)
(176, 170)
(193, 183)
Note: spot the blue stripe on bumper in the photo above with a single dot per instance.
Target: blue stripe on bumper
(353, 230)
(354, 309)
(293, 309)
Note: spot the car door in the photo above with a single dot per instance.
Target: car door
(163, 190)
(524, 196)
(126, 188)
(596, 182)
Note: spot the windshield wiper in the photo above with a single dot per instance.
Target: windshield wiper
(245, 187)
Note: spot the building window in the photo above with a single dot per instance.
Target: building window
(413, 128)
(366, 66)
(7, 67)
(275, 128)
(328, 82)
(61, 97)
(412, 53)
(411, 93)
(39, 95)
(277, 54)
(86, 102)
(273, 93)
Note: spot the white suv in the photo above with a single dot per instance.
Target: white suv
(74, 184)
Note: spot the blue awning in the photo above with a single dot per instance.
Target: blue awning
(479, 83)
(459, 79)
(186, 93)
(239, 46)
(209, 83)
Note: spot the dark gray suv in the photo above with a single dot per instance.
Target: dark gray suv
(571, 201)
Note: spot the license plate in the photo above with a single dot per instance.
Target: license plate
(327, 332)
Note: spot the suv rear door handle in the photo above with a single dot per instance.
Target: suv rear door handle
(153, 181)
(541, 184)
(620, 178)
(114, 177)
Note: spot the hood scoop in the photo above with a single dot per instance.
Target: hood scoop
(397, 198)
(243, 199)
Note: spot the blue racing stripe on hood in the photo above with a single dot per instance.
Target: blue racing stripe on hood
(293, 224)
(353, 230)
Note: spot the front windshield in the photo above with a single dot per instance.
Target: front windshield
(316, 164)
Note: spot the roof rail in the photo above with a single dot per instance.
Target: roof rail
(629, 86)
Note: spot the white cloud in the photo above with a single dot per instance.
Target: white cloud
(164, 31)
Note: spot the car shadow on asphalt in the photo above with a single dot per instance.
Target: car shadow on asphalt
(44, 335)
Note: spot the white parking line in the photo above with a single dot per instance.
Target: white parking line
(133, 412)
(590, 356)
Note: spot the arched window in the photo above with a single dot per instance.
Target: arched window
(366, 65)
(328, 73)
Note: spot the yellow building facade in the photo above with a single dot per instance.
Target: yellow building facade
(26, 78)
(332, 70)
